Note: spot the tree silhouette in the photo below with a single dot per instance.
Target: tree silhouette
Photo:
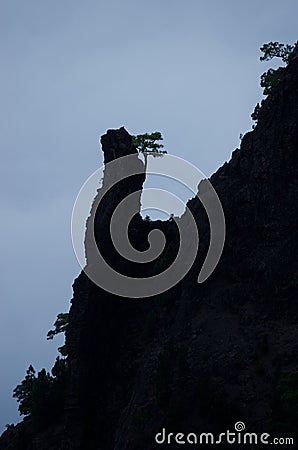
(147, 145)
(41, 396)
(271, 77)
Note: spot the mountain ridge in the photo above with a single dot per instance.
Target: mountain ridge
(200, 357)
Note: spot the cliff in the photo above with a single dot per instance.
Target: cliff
(202, 356)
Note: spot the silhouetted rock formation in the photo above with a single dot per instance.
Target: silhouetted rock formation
(200, 357)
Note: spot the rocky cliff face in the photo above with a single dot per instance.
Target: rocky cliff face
(200, 357)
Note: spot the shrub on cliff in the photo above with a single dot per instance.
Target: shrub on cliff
(41, 395)
(60, 326)
(147, 143)
(271, 77)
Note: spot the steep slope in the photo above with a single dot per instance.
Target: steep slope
(200, 357)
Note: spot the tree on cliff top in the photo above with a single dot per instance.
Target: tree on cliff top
(275, 49)
(271, 77)
(147, 145)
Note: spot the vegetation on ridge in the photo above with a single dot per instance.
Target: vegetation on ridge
(41, 395)
(271, 77)
(147, 143)
(60, 326)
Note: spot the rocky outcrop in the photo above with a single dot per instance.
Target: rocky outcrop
(200, 357)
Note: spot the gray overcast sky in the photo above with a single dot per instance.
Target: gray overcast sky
(69, 71)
